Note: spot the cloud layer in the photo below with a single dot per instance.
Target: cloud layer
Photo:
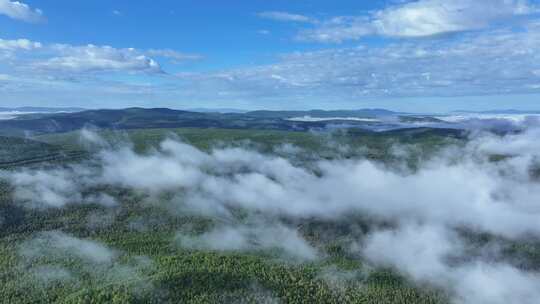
(488, 63)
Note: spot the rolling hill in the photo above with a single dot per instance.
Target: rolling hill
(136, 118)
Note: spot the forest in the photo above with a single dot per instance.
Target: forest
(258, 216)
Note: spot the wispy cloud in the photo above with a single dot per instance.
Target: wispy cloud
(20, 11)
(285, 16)
(95, 262)
(444, 67)
(461, 66)
(419, 19)
(175, 56)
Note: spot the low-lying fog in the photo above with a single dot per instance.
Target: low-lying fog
(462, 188)
(11, 114)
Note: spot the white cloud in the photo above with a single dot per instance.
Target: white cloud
(496, 62)
(66, 58)
(285, 16)
(257, 236)
(470, 192)
(56, 243)
(54, 189)
(91, 58)
(432, 17)
(20, 11)
(424, 253)
(18, 44)
(95, 261)
(419, 19)
(177, 57)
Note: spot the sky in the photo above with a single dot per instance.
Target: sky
(422, 56)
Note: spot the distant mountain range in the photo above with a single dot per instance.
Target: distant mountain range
(217, 110)
(40, 109)
(52, 120)
(361, 113)
(259, 113)
(133, 118)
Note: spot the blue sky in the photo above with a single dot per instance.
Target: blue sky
(424, 55)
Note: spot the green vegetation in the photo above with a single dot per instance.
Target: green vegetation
(136, 253)
(171, 274)
(418, 144)
(138, 118)
(16, 151)
(151, 267)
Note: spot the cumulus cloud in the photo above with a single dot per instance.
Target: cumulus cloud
(92, 58)
(52, 59)
(20, 11)
(285, 16)
(420, 19)
(35, 69)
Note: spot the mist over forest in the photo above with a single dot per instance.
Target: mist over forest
(440, 219)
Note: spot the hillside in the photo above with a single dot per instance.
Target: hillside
(21, 151)
(136, 118)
